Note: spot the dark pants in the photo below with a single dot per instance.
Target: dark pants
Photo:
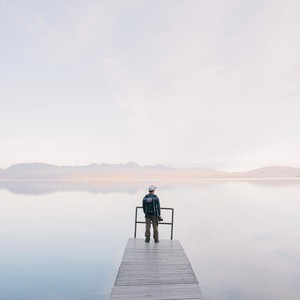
(154, 222)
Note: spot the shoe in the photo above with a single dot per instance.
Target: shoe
(156, 241)
(147, 240)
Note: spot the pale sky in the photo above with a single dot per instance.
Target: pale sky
(176, 82)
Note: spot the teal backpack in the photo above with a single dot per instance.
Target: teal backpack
(150, 205)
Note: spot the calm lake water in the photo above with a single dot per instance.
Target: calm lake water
(64, 240)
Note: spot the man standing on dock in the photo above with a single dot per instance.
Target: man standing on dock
(151, 207)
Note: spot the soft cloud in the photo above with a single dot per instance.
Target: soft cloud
(179, 82)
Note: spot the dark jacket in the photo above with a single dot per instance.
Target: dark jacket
(151, 205)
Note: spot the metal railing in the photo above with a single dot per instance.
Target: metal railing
(160, 223)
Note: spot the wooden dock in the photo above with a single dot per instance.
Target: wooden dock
(155, 271)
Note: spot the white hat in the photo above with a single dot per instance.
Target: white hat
(151, 188)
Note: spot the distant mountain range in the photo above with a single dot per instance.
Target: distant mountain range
(129, 171)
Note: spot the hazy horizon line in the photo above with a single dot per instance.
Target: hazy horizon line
(213, 166)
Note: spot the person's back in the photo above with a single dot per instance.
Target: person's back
(151, 208)
(150, 205)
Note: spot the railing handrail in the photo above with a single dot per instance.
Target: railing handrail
(161, 223)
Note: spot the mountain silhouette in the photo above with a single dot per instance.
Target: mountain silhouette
(131, 170)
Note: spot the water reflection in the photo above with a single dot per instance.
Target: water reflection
(65, 240)
(27, 187)
(33, 187)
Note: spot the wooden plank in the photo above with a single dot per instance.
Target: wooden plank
(161, 292)
(155, 271)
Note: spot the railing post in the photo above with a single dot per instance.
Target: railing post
(136, 209)
(172, 223)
